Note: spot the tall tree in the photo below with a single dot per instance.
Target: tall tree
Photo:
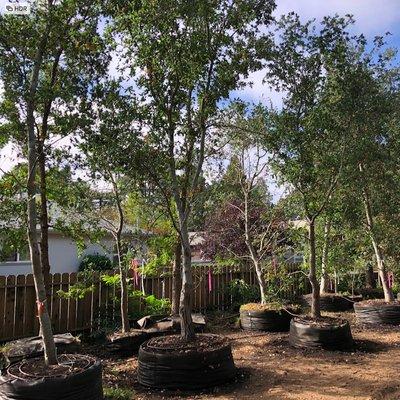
(105, 131)
(189, 55)
(368, 111)
(246, 225)
(307, 146)
(42, 58)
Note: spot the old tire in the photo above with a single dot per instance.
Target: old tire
(379, 313)
(185, 370)
(330, 303)
(267, 320)
(86, 384)
(305, 335)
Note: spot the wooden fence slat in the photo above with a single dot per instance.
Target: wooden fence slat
(63, 320)
(2, 305)
(55, 302)
(19, 306)
(72, 306)
(10, 308)
(31, 322)
(18, 315)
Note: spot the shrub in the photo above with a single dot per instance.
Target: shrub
(95, 262)
(240, 293)
(152, 305)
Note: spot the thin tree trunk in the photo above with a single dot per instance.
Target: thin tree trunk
(124, 289)
(44, 222)
(176, 279)
(388, 293)
(122, 271)
(50, 353)
(253, 252)
(324, 288)
(315, 303)
(375, 244)
(185, 306)
(261, 281)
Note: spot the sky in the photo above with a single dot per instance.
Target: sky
(373, 17)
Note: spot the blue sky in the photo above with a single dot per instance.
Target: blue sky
(373, 17)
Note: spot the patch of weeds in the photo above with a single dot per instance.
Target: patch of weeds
(111, 393)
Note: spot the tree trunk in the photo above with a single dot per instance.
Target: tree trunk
(261, 281)
(44, 222)
(253, 251)
(377, 249)
(370, 281)
(50, 353)
(324, 260)
(122, 272)
(315, 303)
(124, 289)
(176, 279)
(185, 306)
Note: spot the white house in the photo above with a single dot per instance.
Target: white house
(64, 255)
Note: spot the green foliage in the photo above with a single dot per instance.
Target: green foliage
(111, 280)
(80, 289)
(239, 292)
(95, 262)
(152, 305)
(116, 393)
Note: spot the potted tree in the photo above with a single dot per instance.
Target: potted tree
(190, 56)
(40, 45)
(371, 170)
(246, 225)
(308, 147)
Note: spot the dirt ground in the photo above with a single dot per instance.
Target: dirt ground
(268, 368)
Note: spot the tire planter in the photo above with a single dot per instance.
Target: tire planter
(336, 336)
(84, 384)
(266, 320)
(378, 313)
(191, 369)
(331, 303)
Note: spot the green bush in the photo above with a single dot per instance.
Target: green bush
(152, 305)
(95, 262)
(240, 293)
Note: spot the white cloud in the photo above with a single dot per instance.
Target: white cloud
(373, 17)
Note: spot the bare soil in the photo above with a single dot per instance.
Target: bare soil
(268, 368)
(203, 343)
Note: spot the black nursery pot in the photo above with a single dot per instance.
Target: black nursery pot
(331, 302)
(378, 312)
(329, 334)
(265, 320)
(23, 382)
(166, 363)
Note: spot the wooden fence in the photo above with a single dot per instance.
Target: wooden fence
(99, 306)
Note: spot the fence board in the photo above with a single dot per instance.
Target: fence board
(2, 305)
(18, 316)
(19, 306)
(9, 323)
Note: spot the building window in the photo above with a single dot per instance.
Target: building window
(19, 256)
